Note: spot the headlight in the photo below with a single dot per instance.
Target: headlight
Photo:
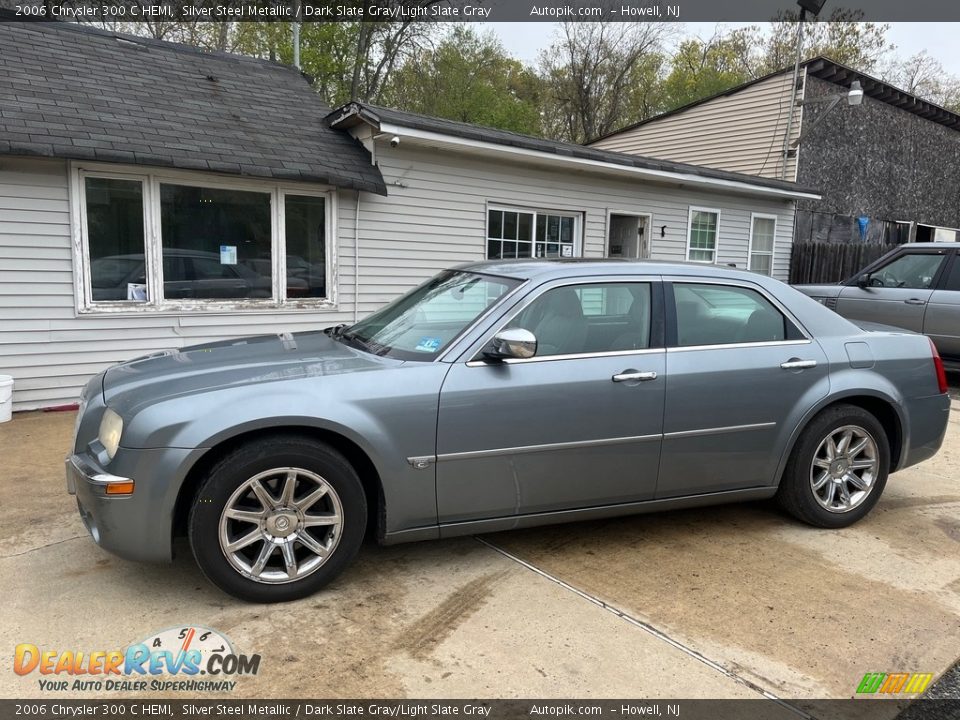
(111, 426)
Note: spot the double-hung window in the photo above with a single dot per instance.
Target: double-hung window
(763, 231)
(519, 233)
(172, 241)
(702, 234)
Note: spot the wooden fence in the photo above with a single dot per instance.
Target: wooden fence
(825, 262)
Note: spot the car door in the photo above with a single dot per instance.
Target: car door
(897, 292)
(740, 374)
(942, 319)
(577, 425)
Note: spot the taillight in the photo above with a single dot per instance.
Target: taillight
(938, 366)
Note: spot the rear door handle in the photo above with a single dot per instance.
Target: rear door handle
(635, 375)
(915, 301)
(798, 364)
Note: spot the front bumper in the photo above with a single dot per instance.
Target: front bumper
(137, 526)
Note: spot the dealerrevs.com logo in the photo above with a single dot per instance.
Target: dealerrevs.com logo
(191, 658)
(894, 683)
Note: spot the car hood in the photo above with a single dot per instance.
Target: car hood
(820, 290)
(243, 361)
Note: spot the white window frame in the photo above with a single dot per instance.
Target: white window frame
(151, 179)
(577, 226)
(773, 244)
(716, 243)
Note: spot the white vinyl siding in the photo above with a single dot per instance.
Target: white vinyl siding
(740, 132)
(48, 348)
(435, 217)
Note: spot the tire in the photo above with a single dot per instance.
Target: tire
(820, 491)
(288, 541)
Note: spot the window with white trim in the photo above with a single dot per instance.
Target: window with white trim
(763, 232)
(171, 241)
(702, 234)
(518, 233)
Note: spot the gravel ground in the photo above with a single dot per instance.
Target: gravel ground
(946, 688)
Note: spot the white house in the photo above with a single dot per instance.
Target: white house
(155, 196)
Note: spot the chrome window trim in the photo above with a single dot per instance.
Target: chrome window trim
(546, 447)
(547, 287)
(694, 280)
(730, 346)
(571, 356)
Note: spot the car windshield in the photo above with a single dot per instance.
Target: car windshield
(422, 323)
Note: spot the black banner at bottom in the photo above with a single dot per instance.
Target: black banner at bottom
(759, 709)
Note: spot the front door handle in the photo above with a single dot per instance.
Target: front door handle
(915, 301)
(636, 375)
(795, 364)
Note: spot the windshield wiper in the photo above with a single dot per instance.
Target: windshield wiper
(336, 331)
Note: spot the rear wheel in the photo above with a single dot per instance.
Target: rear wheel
(277, 519)
(838, 468)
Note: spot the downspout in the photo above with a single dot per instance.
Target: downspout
(356, 262)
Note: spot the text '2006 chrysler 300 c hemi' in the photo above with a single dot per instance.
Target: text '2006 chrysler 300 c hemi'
(497, 396)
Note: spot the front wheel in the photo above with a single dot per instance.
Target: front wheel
(838, 468)
(277, 519)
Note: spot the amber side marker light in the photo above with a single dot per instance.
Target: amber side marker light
(123, 488)
(937, 364)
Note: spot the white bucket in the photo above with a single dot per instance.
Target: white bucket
(6, 398)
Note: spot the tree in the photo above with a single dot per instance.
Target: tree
(924, 76)
(595, 74)
(701, 68)
(468, 77)
(843, 37)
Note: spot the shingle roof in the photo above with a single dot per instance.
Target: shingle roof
(75, 92)
(374, 114)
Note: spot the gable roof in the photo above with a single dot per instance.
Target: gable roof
(826, 69)
(383, 118)
(71, 91)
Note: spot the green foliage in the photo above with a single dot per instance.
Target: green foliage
(701, 68)
(842, 37)
(468, 77)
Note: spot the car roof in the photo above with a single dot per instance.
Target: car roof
(937, 245)
(545, 268)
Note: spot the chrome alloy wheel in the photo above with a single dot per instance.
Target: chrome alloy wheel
(281, 525)
(844, 469)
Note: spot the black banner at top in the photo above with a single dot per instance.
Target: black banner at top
(476, 10)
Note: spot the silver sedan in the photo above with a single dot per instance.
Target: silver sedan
(497, 396)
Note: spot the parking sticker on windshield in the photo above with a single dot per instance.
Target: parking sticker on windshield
(428, 344)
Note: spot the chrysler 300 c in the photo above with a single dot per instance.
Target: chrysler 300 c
(497, 396)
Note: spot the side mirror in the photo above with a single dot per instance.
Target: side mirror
(512, 343)
(863, 280)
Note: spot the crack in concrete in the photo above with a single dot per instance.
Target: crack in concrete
(42, 547)
(648, 628)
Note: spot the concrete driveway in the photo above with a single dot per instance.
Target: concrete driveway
(731, 602)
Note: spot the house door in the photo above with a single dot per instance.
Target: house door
(628, 236)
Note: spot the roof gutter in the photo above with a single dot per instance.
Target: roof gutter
(586, 163)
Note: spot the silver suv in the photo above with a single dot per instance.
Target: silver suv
(915, 287)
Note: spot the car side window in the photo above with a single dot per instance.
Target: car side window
(589, 318)
(915, 271)
(709, 314)
(953, 279)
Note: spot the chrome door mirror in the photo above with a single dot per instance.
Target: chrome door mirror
(512, 343)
